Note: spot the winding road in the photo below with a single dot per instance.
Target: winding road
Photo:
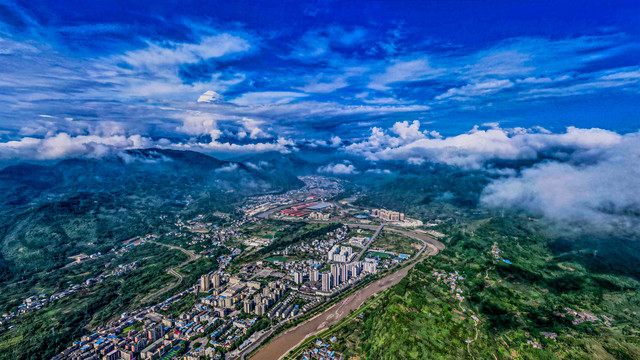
(192, 257)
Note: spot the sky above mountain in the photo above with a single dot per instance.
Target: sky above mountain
(81, 78)
(468, 84)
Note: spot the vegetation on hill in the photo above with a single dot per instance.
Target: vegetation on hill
(397, 243)
(530, 303)
(43, 333)
(426, 192)
(50, 213)
(297, 232)
(88, 206)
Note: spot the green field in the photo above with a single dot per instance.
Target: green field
(174, 352)
(135, 326)
(276, 258)
(289, 233)
(379, 254)
(397, 243)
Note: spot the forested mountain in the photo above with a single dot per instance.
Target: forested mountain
(49, 213)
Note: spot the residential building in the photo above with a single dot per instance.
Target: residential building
(388, 215)
(315, 275)
(216, 281)
(326, 282)
(205, 283)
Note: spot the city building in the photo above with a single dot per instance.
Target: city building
(319, 216)
(344, 274)
(354, 268)
(205, 283)
(248, 306)
(388, 215)
(319, 206)
(335, 274)
(326, 282)
(216, 281)
(370, 266)
(359, 241)
(340, 254)
(260, 309)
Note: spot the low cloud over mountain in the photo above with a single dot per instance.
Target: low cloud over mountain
(580, 178)
(597, 189)
(474, 149)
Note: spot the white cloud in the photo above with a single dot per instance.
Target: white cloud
(315, 86)
(267, 98)
(473, 90)
(167, 84)
(228, 168)
(217, 124)
(319, 42)
(10, 47)
(473, 149)
(63, 145)
(252, 128)
(172, 53)
(523, 64)
(384, 101)
(501, 62)
(378, 171)
(210, 96)
(281, 145)
(602, 193)
(627, 78)
(198, 123)
(408, 132)
(338, 169)
(400, 71)
(527, 57)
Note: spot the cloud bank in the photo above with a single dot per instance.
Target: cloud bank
(602, 193)
(63, 145)
(475, 148)
(581, 179)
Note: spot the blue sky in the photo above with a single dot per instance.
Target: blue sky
(81, 77)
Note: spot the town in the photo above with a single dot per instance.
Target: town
(233, 308)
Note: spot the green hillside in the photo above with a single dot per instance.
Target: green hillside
(530, 303)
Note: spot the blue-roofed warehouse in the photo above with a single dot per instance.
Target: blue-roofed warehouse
(319, 206)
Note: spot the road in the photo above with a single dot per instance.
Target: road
(282, 344)
(192, 257)
(373, 238)
(424, 238)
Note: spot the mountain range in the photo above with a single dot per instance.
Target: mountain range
(51, 212)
